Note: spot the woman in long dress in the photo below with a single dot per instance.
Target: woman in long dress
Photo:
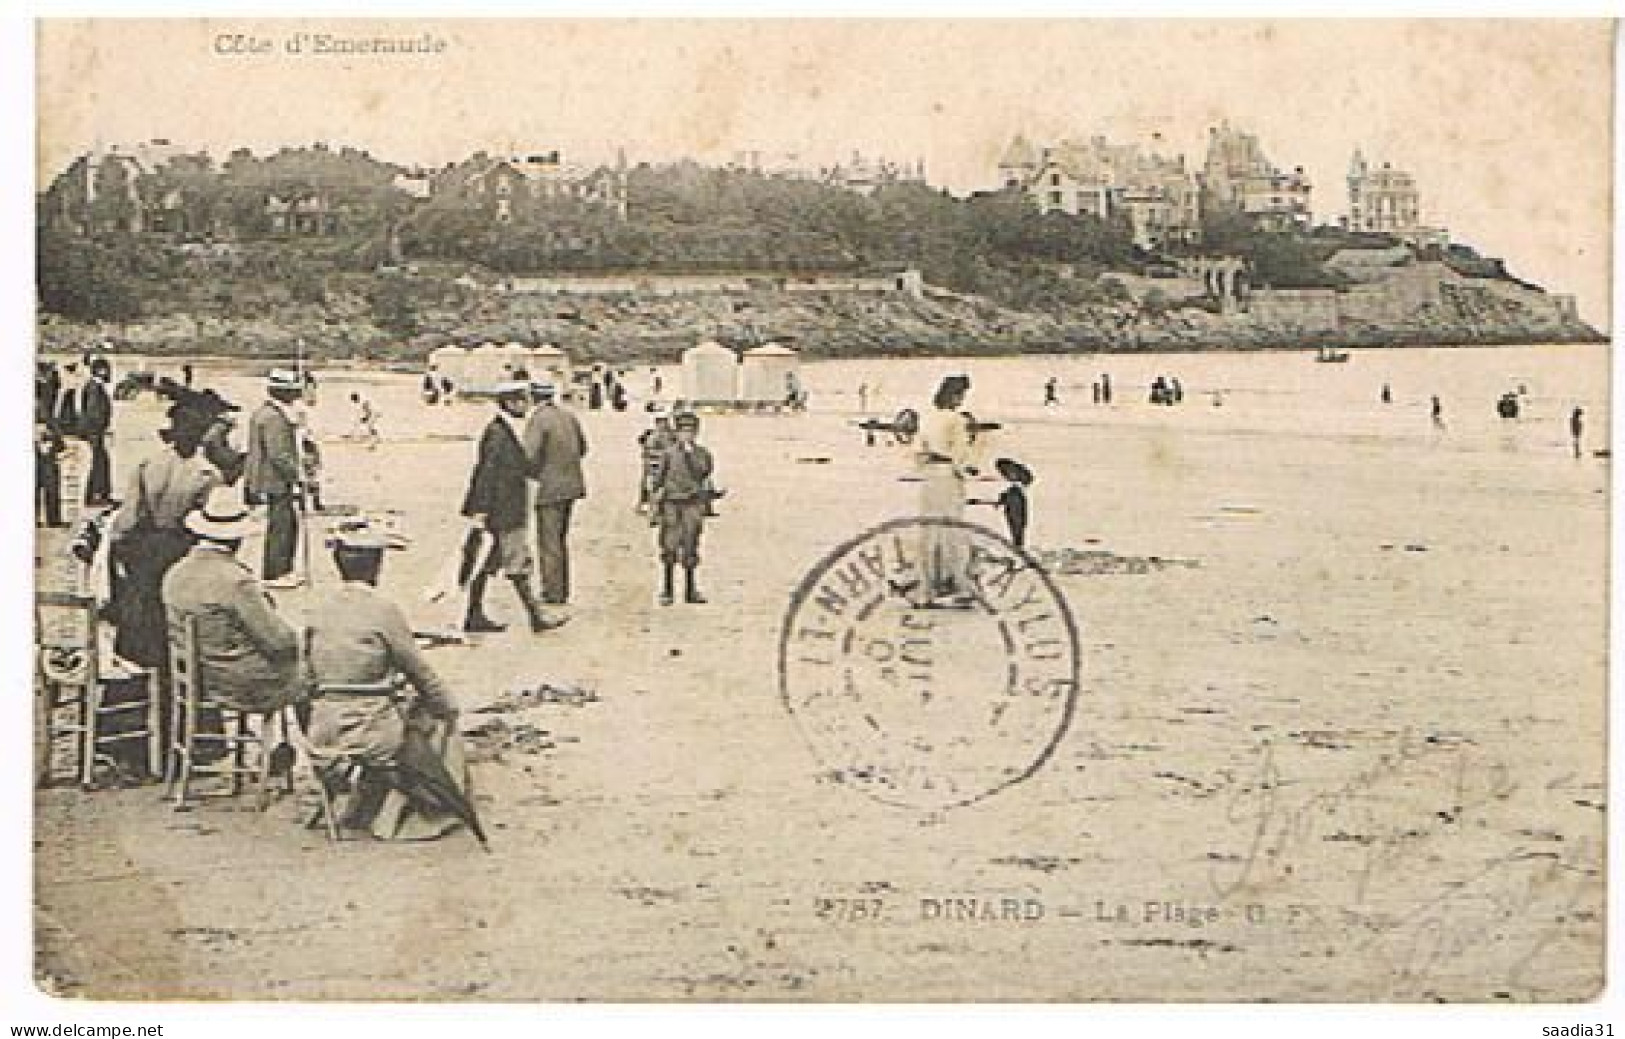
(943, 458)
(148, 536)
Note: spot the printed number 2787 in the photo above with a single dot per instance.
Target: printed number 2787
(848, 910)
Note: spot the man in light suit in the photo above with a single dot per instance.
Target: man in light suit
(248, 654)
(554, 447)
(273, 473)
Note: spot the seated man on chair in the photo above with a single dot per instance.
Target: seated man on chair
(360, 651)
(248, 656)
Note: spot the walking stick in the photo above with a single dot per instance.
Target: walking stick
(306, 570)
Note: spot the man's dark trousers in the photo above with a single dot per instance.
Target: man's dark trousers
(48, 489)
(281, 535)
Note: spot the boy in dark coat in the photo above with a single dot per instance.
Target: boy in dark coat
(682, 492)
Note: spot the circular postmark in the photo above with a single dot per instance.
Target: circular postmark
(929, 707)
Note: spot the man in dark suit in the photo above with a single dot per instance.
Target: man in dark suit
(92, 408)
(272, 476)
(67, 400)
(497, 500)
(47, 473)
(47, 447)
(554, 447)
(47, 389)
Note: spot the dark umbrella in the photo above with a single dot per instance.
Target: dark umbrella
(423, 777)
(473, 557)
(1014, 471)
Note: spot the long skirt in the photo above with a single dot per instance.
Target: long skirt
(942, 548)
(138, 602)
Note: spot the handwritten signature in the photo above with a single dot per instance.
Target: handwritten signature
(1366, 807)
(1409, 795)
(1545, 889)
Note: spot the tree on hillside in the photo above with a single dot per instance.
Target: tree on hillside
(392, 304)
(83, 280)
(1279, 259)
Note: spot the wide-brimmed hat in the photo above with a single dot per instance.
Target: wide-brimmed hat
(1013, 471)
(189, 416)
(211, 402)
(223, 516)
(283, 379)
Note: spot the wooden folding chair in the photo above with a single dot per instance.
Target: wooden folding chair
(392, 687)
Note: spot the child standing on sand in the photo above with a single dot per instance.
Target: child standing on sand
(681, 494)
(1013, 501)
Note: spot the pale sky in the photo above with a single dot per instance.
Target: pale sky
(1505, 124)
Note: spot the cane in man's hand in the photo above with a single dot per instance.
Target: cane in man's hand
(302, 500)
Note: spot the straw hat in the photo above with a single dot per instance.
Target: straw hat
(222, 517)
(283, 379)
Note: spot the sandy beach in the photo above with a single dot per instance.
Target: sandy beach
(1340, 734)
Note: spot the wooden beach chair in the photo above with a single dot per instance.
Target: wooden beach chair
(240, 731)
(70, 681)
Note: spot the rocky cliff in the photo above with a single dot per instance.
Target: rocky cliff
(1424, 305)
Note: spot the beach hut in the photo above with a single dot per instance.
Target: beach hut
(710, 374)
(515, 358)
(449, 362)
(485, 365)
(550, 363)
(765, 374)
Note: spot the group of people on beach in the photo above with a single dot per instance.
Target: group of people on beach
(73, 410)
(1100, 391)
(377, 720)
(171, 549)
(676, 488)
(1167, 391)
(354, 675)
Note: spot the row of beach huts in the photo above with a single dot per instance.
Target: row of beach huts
(712, 375)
